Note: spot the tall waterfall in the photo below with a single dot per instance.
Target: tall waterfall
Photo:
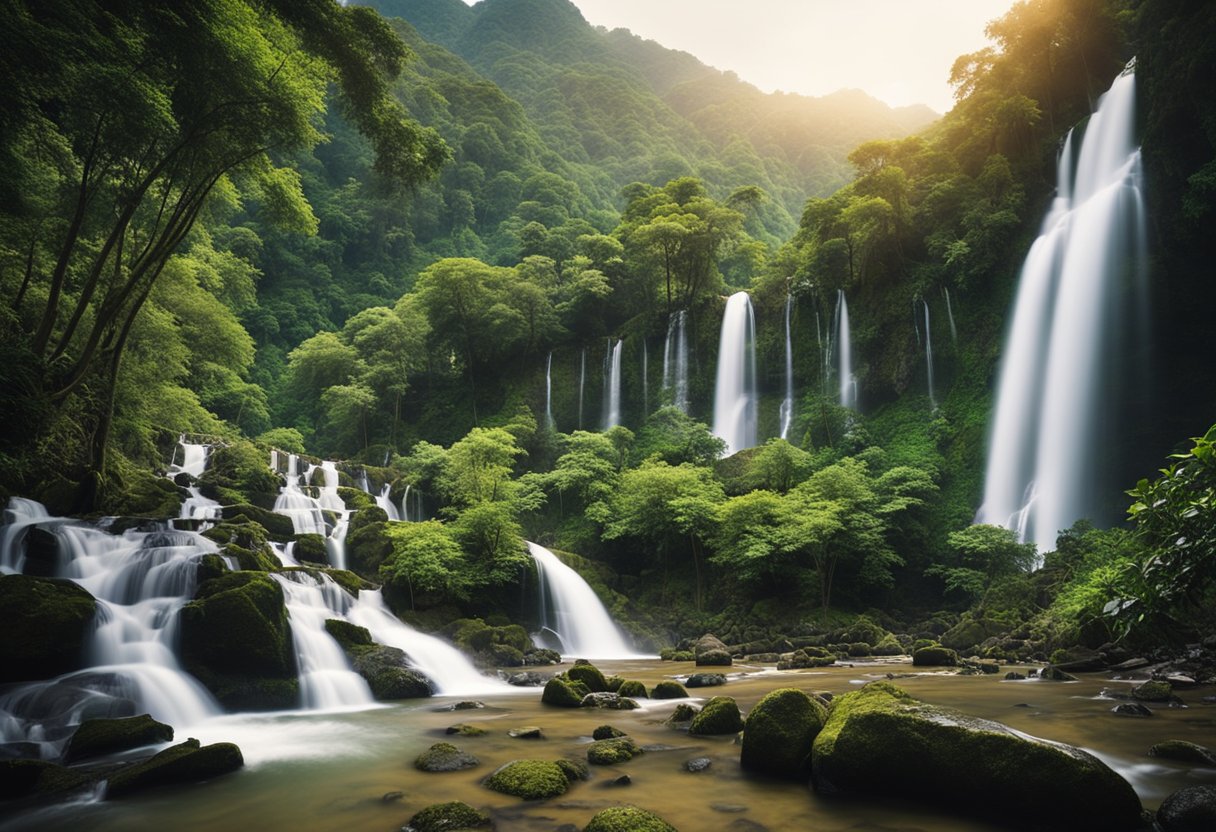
(844, 346)
(141, 580)
(194, 462)
(304, 510)
(950, 315)
(675, 359)
(573, 614)
(787, 404)
(582, 384)
(411, 505)
(929, 357)
(1062, 348)
(612, 384)
(384, 501)
(549, 391)
(735, 396)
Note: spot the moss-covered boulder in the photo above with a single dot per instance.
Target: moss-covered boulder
(609, 701)
(627, 819)
(47, 623)
(356, 500)
(464, 729)
(489, 645)
(633, 689)
(682, 715)
(529, 779)
(804, 657)
(97, 737)
(187, 762)
(386, 669)
(1190, 809)
(443, 756)
(779, 731)
(574, 769)
(612, 751)
(970, 632)
(880, 742)
(1156, 690)
(310, 548)
(705, 680)
(236, 638)
(589, 675)
(1184, 752)
(668, 689)
(38, 778)
(237, 473)
(606, 732)
(719, 715)
(367, 542)
(934, 655)
(564, 692)
(448, 817)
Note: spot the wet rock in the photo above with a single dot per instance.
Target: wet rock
(880, 742)
(563, 692)
(1131, 709)
(720, 715)
(1131, 664)
(468, 705)
(1051, 673)
(609, 701)
(714, 658)
(1157, 690)
(804, 657)
(728, 808)
(623, 780)
(589, 675)
(935, 655)
(705, 680)
(682, 714)
(668, 690)
(627, 819)
(1183, 751)
(745, 825)
(464, 729)
(613, 751)
(779, 731)
(529, 779)
(1180, 681)
(528, 679)
(48, 622)
(26, 778)
(187, 762)
(698, 764)
(529, 732)
(442, 817)
(1192, 809)
(542, 656)
(574, 769)
(606, 732)
(444, 757)
(98, 737)
(392, 797)
(1013, 675)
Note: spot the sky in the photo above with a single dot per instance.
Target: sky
(899, 51)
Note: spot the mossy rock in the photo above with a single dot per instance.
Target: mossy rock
(779, 731)
(668, 690)
(563, 692)
(98, 737)
(259, 559)
(1051, 673)
(612, 751)
(238, 473)
(210, 566)
(589, 675)
(40, 778)
(274, 526)
(367, 542)
(720, 715)
(627, 819)
(1183, 751)
(613, 684)
(464, 729)
(187, 762)
(714, 658)
(888, 646)
(1156, 690)
(348, 635)
(633, 689)
(609, 701)
(805, 657)
(705, 680)
(574, 769)
(606, 732)
(882, 743)
(970, 632)
(682, 713)
(356, 500)
(236, 639)
(386, 669)
(310, 548)
(706, 644)
(47, 624)
(529, 779)
(443, 756)
(935, 656)
(448, 817)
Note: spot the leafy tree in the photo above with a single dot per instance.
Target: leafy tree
(425, 559)
(983, 554)
(478, 467)
(672, 435)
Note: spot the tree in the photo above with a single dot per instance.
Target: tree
(983, 554)
(425, 558)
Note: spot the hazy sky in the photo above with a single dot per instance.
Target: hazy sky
(897, 50)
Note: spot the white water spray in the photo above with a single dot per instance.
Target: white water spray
(572, 613)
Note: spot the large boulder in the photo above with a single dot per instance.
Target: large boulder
(236, 638)
(1192, 809)
(611, 751)
(879, 741)
(719, 715)
(529, 779)
(563, 692)
(443, 756)
(446, 817)
(627, 819)
(386, 669)
(711, 651)
(47, 622)
(187, 762)
(779, 731)
(934, 655)
(28, 778)
(589, 675)
(668, 689)
(98, 737)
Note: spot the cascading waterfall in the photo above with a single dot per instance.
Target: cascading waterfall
(141, 580)
(304, 511)
(582, 385)
(385, 502)
(950, 315)
(844, 346)
(411, 505)
(612, 384)
(1062, 348)
(194, 463)
(572, 614)
(365, 484)
(549, 423)
(675, 360)
(787, 404)
(929, 357)
(735, 395)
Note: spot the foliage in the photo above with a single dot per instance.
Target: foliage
(425, 559)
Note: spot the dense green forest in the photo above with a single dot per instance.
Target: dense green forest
(312, 228)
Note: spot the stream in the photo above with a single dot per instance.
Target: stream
(332, 770)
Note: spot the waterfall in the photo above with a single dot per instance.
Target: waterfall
(326, 680)
(950, 315)
(929, 357)
(141, 580)
(304, 511)
(612, 384)
(675, 360)
(735, 397)
(787, 405)
(549, 423)
(386, 503)
(582, 384)
(645, 380)
(411, 505)
(194, 462)
(573, 614)
(1062, 349)
(364, 483)
(915, 322)
(844, 345)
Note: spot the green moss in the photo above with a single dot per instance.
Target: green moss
(347, 634)
(606, 732)
(574, 769)
(237, 473)
(97, 737)
(720, 715)
(612, 751)
(1187, 752)
(26, 778)
(1157, 690)
(463, 729)
(563, 692)
(627, 819)
(935, 656)
(356, 500)
(310, 548)
(448, 817)
(529, 779)
(443, 756)
(273, 526)
(590, 676)
(681, 714)
(47, 624)
(779, 731)
(187, 762)
(879, 741)
(633, 689)
(668, 690)
(613, 684)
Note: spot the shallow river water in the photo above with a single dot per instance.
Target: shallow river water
(331, 771)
